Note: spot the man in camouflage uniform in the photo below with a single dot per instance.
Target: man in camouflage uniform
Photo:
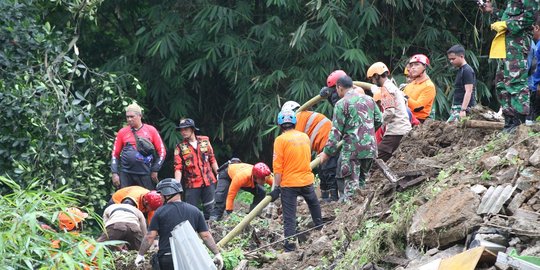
(356, 117)
(516, 21)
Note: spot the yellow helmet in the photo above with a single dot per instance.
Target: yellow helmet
(377, 68)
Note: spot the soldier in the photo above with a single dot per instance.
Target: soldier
(356, 117)
(514, 30)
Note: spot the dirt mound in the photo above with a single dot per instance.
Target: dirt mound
(373, 227)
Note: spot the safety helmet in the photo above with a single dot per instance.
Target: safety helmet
(169, 186)
(377, 68)
(290, 106)
(260, 170)
(377, 96)
(419, 58)
(70, 218)
(334, 76)
(286, 117)
(153, 200)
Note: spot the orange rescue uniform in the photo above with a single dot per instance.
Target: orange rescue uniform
(316, 126)
(240, 175)
(421, 93)
(135, 193)
(292, 155)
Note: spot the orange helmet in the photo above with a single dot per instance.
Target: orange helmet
(420, 58)
(260, 170)
(153, 200)
(71, 218)
(377, 68)
(334, 76)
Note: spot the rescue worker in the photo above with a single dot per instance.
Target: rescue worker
(172, 213)
(145, 200)
(293, 176)
(195, 167)
(247, 177)
(329, 92)
(420, 92)
(356, 117)
(71, 221)
(124, 222)
(395, 117)
(317, 126)
(513, 25)
(139, 163)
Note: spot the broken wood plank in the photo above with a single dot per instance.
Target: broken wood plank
(481, 124)
(387, 172)
(406, 184)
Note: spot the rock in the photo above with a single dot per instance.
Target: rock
(506, 176)
(445, 219)
(511, 153)
(516, 202)
(319, 245)
(490, 162)
(528, 178)
(535, 158)
(478, 189)
(531, 251)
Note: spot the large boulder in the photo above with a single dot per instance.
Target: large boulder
(447, 218)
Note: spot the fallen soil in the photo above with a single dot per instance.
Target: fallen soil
(437, 155)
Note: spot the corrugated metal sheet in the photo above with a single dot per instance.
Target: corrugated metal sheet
(494, 199)
(187, 249)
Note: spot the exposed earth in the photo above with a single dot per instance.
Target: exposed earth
(444, 172)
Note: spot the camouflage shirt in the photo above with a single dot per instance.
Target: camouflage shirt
(356, 117)
(518, 15)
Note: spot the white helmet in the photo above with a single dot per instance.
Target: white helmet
(290, 106)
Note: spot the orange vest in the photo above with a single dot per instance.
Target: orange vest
(240, 175)
(316, 126)
(135, 193)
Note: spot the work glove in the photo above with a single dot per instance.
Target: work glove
(325, 92)
(218, 261)
(499, 26)
(275, 193)
(139, 260)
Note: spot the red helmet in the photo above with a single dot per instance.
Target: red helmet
(419, 58)
(71, 218)
(334, 76)
(153, 200)
(260, 170)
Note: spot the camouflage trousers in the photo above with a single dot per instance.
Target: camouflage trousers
(354, 174)
(511, 77)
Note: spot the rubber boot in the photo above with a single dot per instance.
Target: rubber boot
(508, 123)
(325, 196)
(334, 195)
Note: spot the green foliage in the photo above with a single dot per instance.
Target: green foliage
(486, 176)
(375, 239)
(24, 244)
(230, 65)
(59, 116)
(232, 258)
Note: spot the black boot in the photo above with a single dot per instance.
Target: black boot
(519, 119)
(508, 123)
(334, 195)
(325, 196)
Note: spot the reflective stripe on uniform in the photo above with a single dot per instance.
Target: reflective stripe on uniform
(317, 128)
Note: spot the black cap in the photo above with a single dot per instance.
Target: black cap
(187, 122)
